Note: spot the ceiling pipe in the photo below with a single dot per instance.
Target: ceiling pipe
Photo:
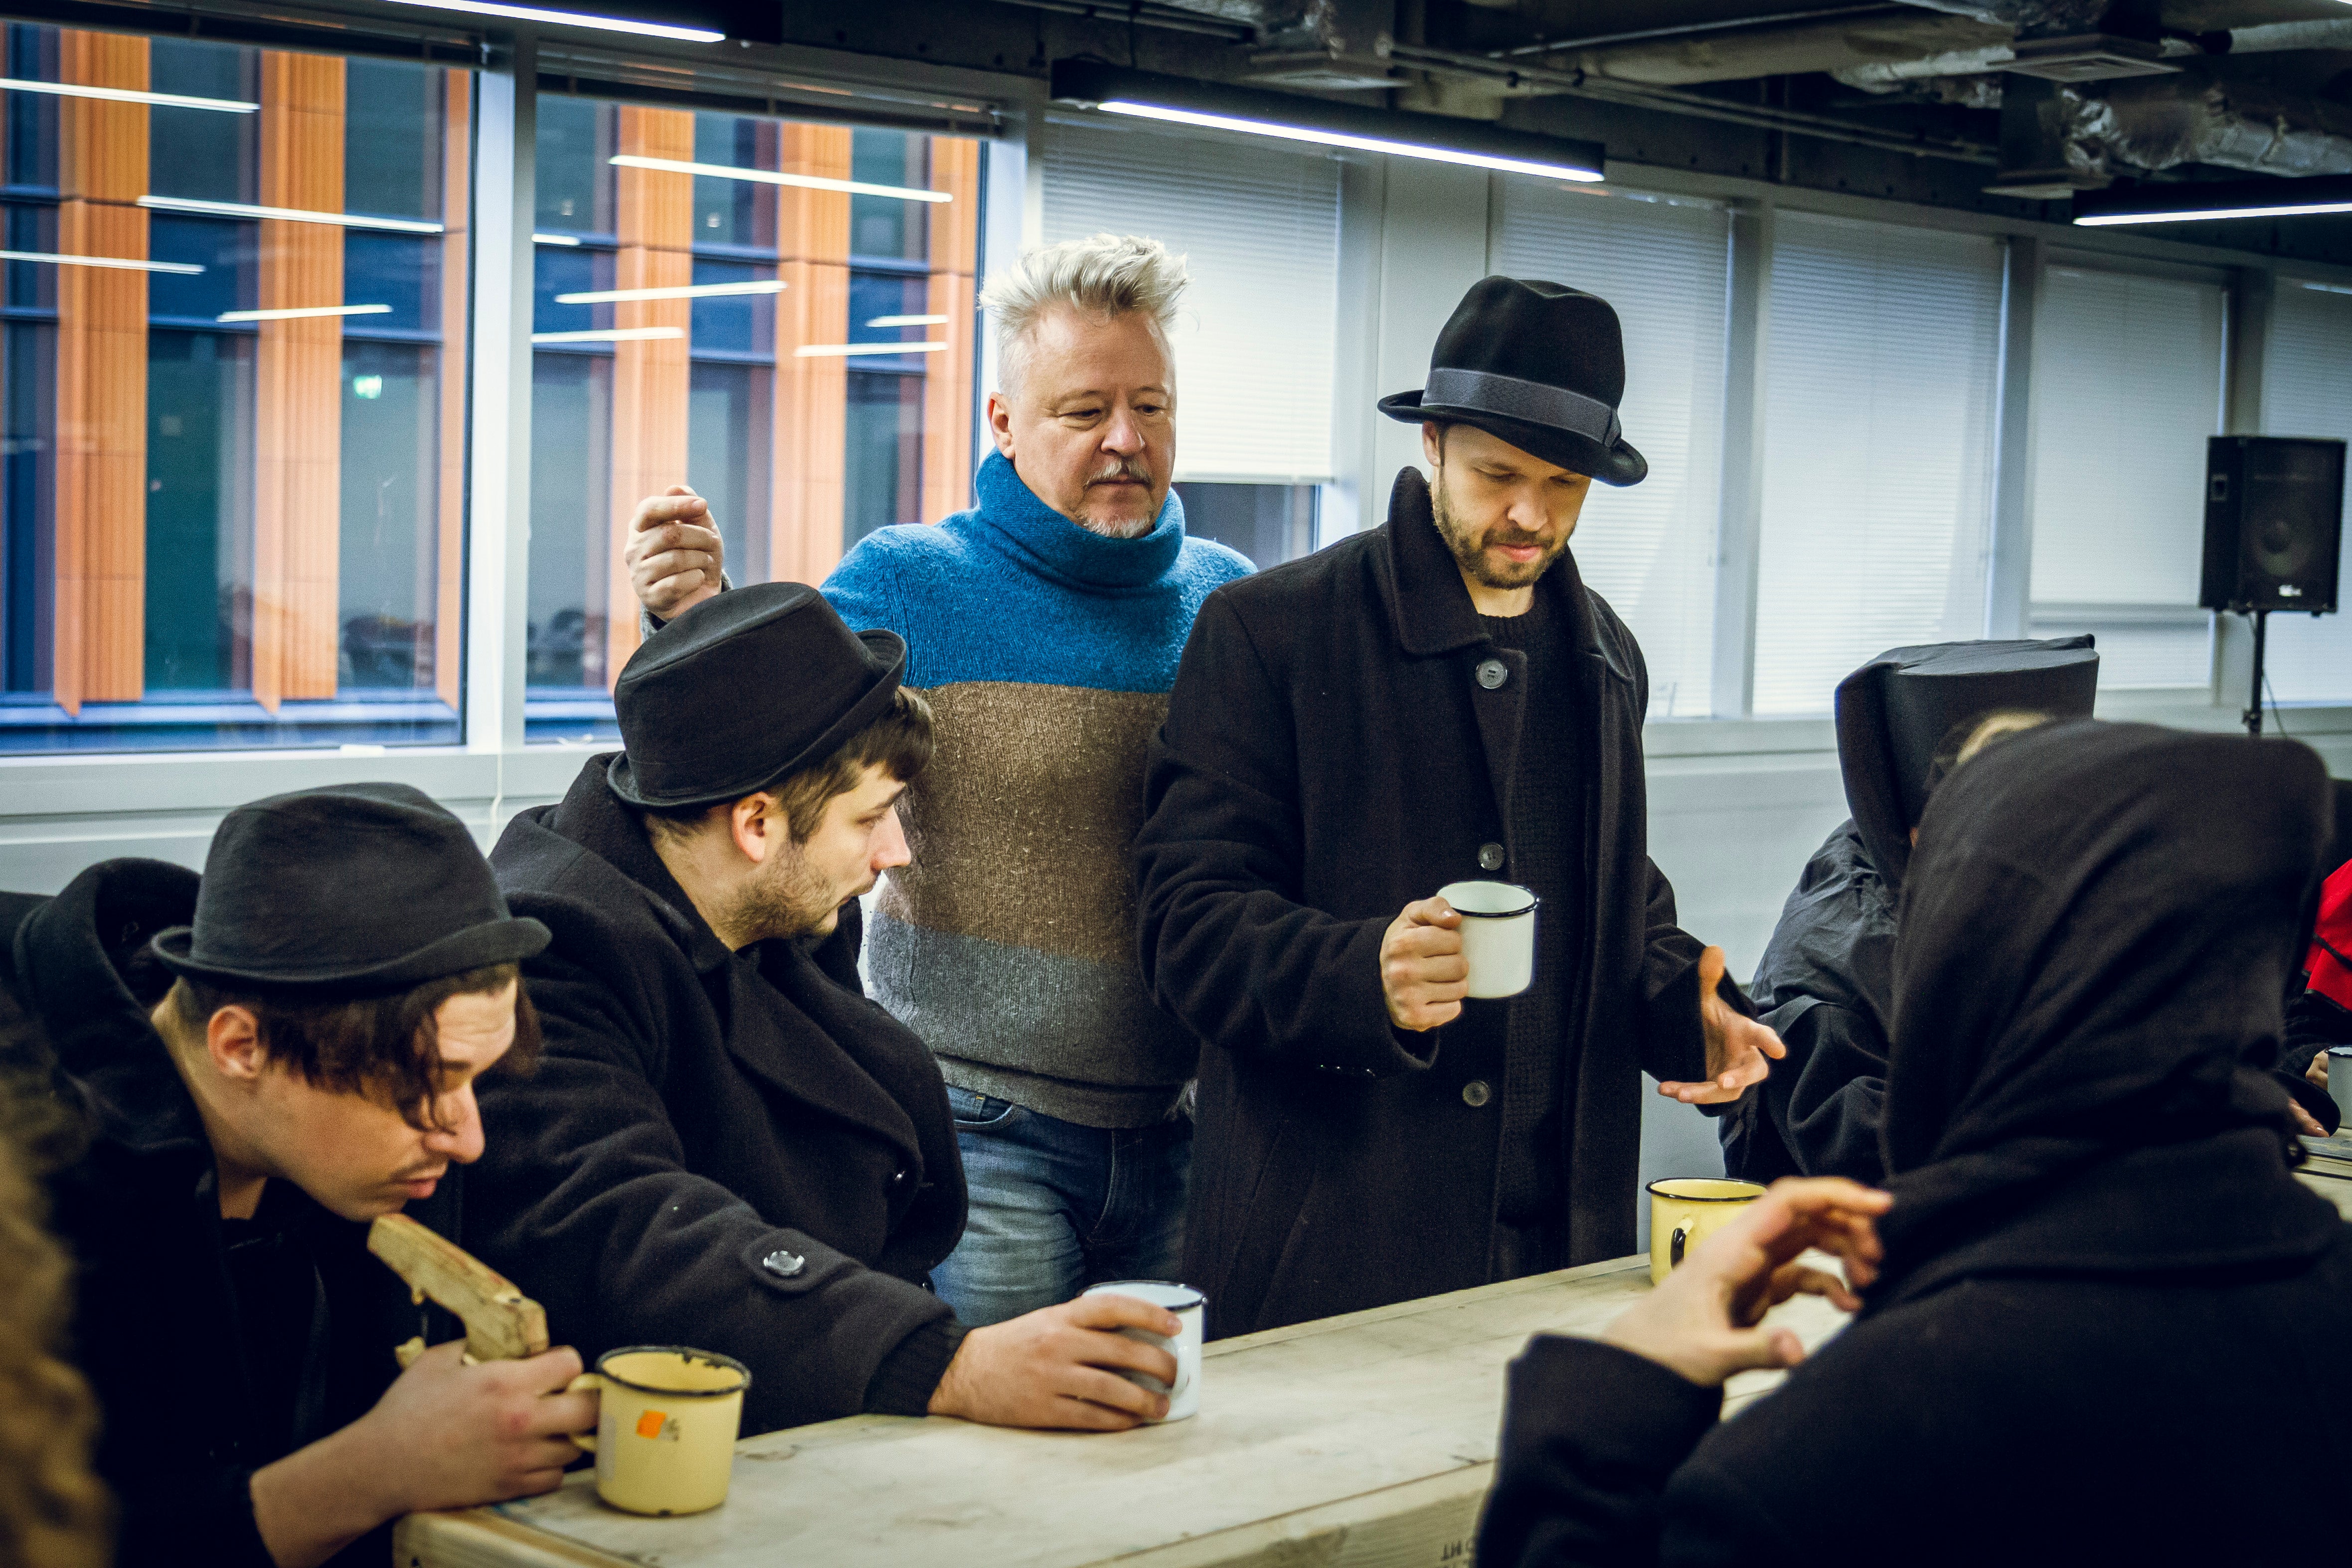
(2270, 37)
(2159, 126)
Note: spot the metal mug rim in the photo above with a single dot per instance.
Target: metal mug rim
(688, 1351)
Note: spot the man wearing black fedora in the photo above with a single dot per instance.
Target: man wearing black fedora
(259, 1065)
(1438, 700)
(724, 1145)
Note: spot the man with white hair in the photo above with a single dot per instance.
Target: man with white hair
(1045, 625)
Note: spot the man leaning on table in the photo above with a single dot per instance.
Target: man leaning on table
(724, 1145)
(1438, 700)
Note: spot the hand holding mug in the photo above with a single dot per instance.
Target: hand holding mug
(1423, 973)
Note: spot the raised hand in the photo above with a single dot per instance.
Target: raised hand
(673, 553)
(1737, 1047)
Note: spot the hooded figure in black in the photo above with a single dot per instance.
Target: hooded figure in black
(2107, 1310)
(1826, 980)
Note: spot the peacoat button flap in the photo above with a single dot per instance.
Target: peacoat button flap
(792, 1265)
(1492, 673)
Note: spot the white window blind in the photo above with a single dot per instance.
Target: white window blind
(2308, 391)
(2126, 386)
(1259, 227)
(1647, 548)
(1882, 361)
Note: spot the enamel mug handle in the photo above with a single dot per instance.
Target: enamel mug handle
(1674, 1249)
(586, 1440)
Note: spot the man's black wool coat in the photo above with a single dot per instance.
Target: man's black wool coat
(733, 1151)
(1331, 754)
(156, 1321)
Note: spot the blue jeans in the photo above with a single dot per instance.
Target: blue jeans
(1056, 1207)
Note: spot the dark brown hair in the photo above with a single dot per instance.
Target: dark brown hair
(900, 741)
(386, 1047)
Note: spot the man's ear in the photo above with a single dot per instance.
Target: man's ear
(233, 1043)
(1432, 443)
(1000, 423)
(757, 824)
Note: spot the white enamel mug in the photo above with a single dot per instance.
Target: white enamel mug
(1498, 934)
(1189, 1305)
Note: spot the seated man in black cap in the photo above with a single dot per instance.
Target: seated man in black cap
(1826, 979)
(262, 1063)
(725, 1145)
(1438, 700)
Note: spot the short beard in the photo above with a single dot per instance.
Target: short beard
(785, 897)
(1470, 548)
(1124, 468)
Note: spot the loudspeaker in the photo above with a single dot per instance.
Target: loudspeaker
(2273, 522)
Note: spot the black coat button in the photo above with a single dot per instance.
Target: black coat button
(1490, 856)
(1492, 672)
(783, 1265)
(1476, 1093)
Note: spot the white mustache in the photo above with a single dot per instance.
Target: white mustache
(1124, 469)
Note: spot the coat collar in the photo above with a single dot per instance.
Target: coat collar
(809, 1050)
(70, 956)
(1428, 606)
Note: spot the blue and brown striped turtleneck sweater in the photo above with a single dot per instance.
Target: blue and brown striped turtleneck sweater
(1046, 652)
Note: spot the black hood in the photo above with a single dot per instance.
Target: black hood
(1894, 712)
(2094, 947)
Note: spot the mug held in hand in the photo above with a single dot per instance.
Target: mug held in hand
(1498, 934)
(665, 1424)
(1187, 1304)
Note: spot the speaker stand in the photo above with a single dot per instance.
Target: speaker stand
(2255, 713)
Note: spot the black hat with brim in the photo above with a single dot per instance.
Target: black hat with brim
(1896, 711)
(1538, 364)
(742, 691)
(355, 889)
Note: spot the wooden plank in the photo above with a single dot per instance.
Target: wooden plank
(651, 378)
(2335, 1185)
(947, 377)
(501, 1322)
(99, 635)
(298, 385)
(1363, 1440)
(456, 267)
(812, 395)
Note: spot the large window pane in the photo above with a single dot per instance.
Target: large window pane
(1881, 370)
(1648, 549)
(2127, 387)
(230, 500)
(801, 357)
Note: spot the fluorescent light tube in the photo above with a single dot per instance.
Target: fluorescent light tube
(2329, 288)
(2211, 215)
(611, 335)
(291, 215)
(185, 269)
(2214, 201)
(572, 19)
(303, 312)
(128, 95)
(554, 239)
(1288, 117)
(684, 292)
(1322, 138)
(810, 351)
(909, 321)
(771, 177)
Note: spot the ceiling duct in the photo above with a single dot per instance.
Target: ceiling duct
(1327, 46)
(2057, 139)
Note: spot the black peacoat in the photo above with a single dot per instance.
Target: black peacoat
(731, 1151)
(1331, 754)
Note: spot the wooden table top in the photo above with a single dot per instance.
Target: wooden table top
(1368, 1438)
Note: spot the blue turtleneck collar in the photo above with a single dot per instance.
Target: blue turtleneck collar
(1055, 547)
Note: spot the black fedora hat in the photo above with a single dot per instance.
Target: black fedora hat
(743, 690)
(1539, 364)
(363, 888)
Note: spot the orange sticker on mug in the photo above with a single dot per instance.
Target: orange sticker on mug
(649, 1425)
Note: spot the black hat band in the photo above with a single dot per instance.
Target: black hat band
(1530, 402)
